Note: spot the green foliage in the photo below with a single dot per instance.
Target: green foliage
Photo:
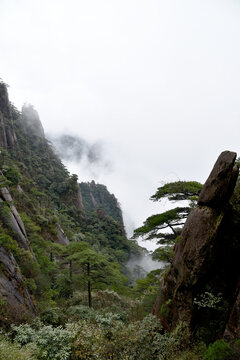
(12, 174)
(220, 350)
(7, 241)
(171, 220)
(146, 290)
(168, 219)
(81, 312)
(208, 300)
(52, 343)
(211, 312)
(4, 182)
(195, 352)
(179, 190)
(165, 310)
(104, 301)
(53, 316)
(141, 340)
(5, 213)
(9, 351)
(104, 335)
(164, 253)
(96, 270)
(97, 196)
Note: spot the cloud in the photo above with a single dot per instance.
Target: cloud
(77, 151)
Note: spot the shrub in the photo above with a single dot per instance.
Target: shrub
(12, 174)
(52, 316)
(150, 341)
(108, 319)
(219, 350)
(208, 300)
(9, 351)
(81, 312)
(52, 343)
(111, 339)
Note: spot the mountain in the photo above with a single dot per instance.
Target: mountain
(49, 222)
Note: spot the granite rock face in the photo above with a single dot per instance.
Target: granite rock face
(4, 102)
(220, 184)
(16, 302)
(7, 135)
(206, 257)
(14, 220)
(61, 237)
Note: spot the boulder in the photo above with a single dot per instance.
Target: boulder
(220, 184)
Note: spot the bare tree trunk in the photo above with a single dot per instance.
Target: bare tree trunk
(89, 286)
(70, 270)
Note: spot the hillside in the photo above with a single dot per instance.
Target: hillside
(96, 196)
(47, 225)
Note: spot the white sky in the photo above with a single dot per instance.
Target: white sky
(158, 81)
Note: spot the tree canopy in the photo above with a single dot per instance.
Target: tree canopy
(156, 226)
(178, 190)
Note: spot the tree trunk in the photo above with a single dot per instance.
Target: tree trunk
(70, 270)
(89, 286)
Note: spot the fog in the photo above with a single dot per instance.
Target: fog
(140, 266)
(75, 151)
(153, 86)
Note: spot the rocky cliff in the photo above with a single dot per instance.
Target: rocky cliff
(201, 288)
(7, 134)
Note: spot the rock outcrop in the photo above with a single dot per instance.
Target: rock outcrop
(7, 134)
(32, 121)
(205, 264)
(61, 237)
(14, 220)
(220, 184)
(16, 302)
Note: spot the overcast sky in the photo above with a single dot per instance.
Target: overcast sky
(156, 82)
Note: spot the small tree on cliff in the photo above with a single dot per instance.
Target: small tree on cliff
(95, 271)
(171, 220)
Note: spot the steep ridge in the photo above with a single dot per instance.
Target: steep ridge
(42, 215)
(7, 135)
